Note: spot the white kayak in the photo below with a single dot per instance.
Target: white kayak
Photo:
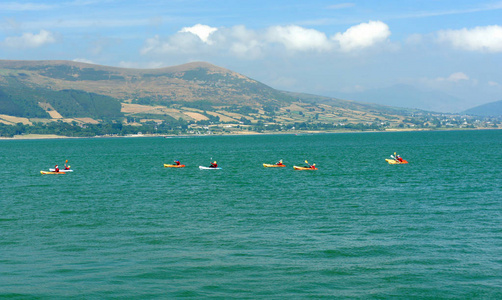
(61, 170)
(208, 168)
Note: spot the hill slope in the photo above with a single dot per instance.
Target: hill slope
(492, 109)
(185, 83)
(191, 98)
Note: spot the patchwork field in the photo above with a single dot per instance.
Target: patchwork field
(10, 120)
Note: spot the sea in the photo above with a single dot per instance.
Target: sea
(122, 226)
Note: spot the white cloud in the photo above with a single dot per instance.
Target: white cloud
(151, 45)
(415, 39)
(362, 36)
(202, 31)
(240, 41)
(298, 38)
(181, 42)
(483, 39)
(454, 77)
(30, 40)
(251, 44)
(84, 60)
(493, 83)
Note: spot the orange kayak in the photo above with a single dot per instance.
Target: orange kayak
(395, 162)
(173, 166)
(273, 166)
(304, 168)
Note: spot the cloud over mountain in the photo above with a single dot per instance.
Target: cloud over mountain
(297, 38)
(362, 36)
(30, 40)
(239, 40)
(481, 38)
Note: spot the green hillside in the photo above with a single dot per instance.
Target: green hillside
(23, 102)
(185, 83)
(79, 99)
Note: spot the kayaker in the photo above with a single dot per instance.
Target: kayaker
(214, 165)
(56, 168)
(177, 162)
(399, 158)
(280, 163)
(312, 166)
(65, 166)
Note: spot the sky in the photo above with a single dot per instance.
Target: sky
(328, 48)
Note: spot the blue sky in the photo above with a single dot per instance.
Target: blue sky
(320, 47)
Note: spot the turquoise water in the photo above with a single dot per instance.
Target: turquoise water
(124, 226)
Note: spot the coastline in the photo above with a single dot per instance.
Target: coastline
(241, 133)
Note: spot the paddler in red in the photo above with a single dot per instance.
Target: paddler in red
(214, 165)
(56, 168)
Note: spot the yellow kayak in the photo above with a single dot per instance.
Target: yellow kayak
(173, 166)
(273, 166)
(395, 162)
(304, 168)
(49, 172)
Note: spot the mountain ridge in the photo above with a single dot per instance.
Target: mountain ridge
(189, 97)
(486, 110)
(407, 96)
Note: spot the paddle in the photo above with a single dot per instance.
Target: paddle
(308, 164)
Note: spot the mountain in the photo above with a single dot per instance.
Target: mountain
(492, 109)
(79, 99)
(185, 83)
(407, 96)
(66, 89)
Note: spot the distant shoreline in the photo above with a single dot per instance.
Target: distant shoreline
(54, 136)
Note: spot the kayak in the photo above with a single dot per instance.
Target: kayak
(49, 172)
(173, 166)
(208, 168)
(273, 166)
(395, 162)
(304, 168)
(61, 171)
